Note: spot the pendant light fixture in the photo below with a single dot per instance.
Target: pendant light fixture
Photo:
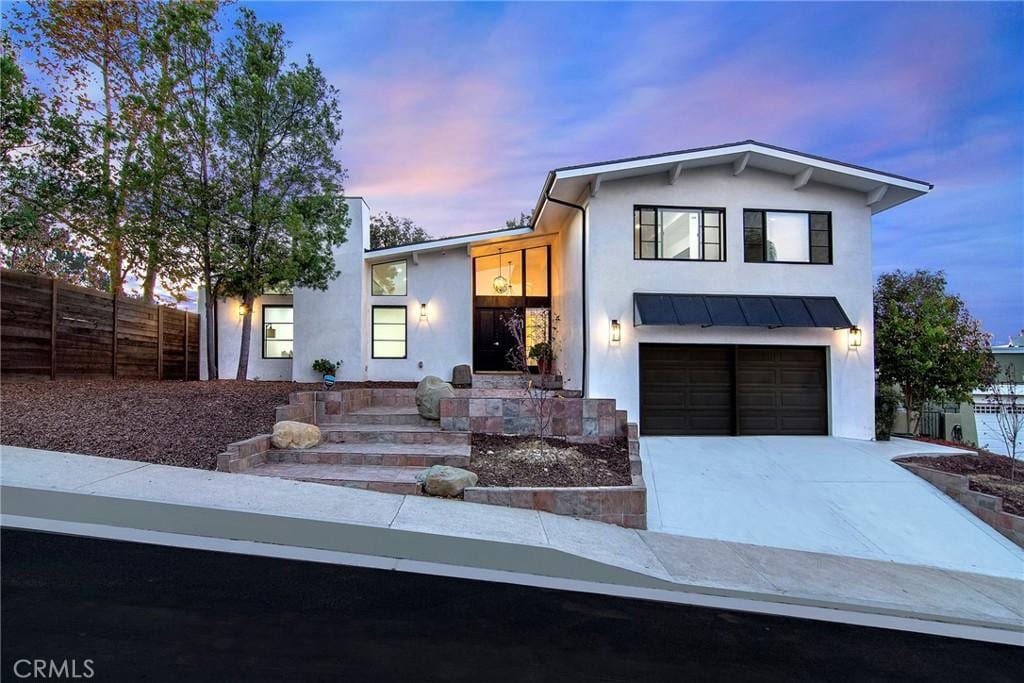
(500, 283)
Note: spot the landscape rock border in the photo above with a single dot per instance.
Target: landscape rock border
(624, 506)
(985, 506)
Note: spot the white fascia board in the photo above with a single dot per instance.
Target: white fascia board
(742, 149)
(445, 243)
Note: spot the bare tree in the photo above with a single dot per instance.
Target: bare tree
(540, 400)
(1008, 402)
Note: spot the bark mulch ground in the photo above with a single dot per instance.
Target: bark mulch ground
(171, 423)
(986, 472)
(530, 461)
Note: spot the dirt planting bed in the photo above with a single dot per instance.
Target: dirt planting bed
(171, 423)
(530, 461)
(987, 473)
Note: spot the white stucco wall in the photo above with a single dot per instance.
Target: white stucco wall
(613, 277)
(229, 335)
(443, 281)
(566, 302)
(329, 324)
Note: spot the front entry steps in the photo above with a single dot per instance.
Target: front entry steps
(370, 477)
(379, 415)
(386, 454)
(374, 447)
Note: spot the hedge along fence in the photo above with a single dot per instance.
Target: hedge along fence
(52, 330)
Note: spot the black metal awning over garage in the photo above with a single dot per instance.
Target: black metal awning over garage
(729, 310)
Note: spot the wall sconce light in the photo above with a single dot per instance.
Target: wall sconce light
(423, 311)
(242, 309)
(856, 337)
(616, 332)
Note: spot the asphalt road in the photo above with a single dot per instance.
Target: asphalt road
(151, 613)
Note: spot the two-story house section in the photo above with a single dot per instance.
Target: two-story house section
(716, 291)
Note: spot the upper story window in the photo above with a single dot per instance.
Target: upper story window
(678, 234)
(277, 331)
(787, 236)
(389, 279)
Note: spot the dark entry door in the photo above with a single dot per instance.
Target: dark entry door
(492, 340)
(686, 390)
(781, 390)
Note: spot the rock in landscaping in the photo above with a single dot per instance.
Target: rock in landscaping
(289, 434)
(443, 480)
(429, 394)
(462, 376)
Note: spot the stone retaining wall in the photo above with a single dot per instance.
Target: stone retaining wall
(351, 400)
(987, 507)
(578, 419)
(622, 505)
(301, 408)
(243, 455)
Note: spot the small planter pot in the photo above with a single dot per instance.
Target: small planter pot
(544, 366)
(328, 382)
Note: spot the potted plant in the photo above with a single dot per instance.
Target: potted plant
(541, 352)
(327, 369)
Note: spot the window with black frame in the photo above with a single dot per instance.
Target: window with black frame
(787, 236)
(678, 233)
(277, 331)
(389, 325)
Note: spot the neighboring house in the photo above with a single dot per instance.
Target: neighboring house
(1009, 357)
(722, 290)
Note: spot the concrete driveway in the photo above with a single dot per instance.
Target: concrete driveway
(822, 494)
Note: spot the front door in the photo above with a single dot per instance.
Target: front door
(493, 342)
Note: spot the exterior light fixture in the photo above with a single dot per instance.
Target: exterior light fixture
(616, 332)
(856, 337)
(242, 309)
(500, 283)
(423, 311)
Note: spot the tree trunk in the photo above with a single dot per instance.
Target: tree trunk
(211, 335)
(149, 282)
(243, 351)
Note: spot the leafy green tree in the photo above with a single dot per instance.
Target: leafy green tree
(91, 52)
(926, 342)
(524, 220)
(278, 126)
(197, 186)
(388, 230)
(41, 152)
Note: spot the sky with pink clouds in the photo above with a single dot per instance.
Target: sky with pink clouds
(454, 113)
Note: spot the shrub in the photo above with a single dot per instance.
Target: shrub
(325, 367)
(887, 400)
(541, 350)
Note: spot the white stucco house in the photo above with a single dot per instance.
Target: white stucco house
(721, 290)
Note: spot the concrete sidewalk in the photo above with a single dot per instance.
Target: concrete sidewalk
(842, 497)
(128, 500)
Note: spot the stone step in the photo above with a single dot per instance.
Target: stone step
(514, 382)
(384, 479)
(380, 415)
(391, 434)
(374, 454)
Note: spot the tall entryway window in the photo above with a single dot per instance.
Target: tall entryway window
(509, 284)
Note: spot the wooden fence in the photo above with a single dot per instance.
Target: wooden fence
(52, 330)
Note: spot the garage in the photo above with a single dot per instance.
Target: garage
(723, 390)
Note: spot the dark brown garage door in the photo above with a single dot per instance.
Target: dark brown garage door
(723, 390)
(781, 390)
(686, 389)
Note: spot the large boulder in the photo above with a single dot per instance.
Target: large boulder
(462, 376)
(444, 480)
(429, 393)
(289, 434)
